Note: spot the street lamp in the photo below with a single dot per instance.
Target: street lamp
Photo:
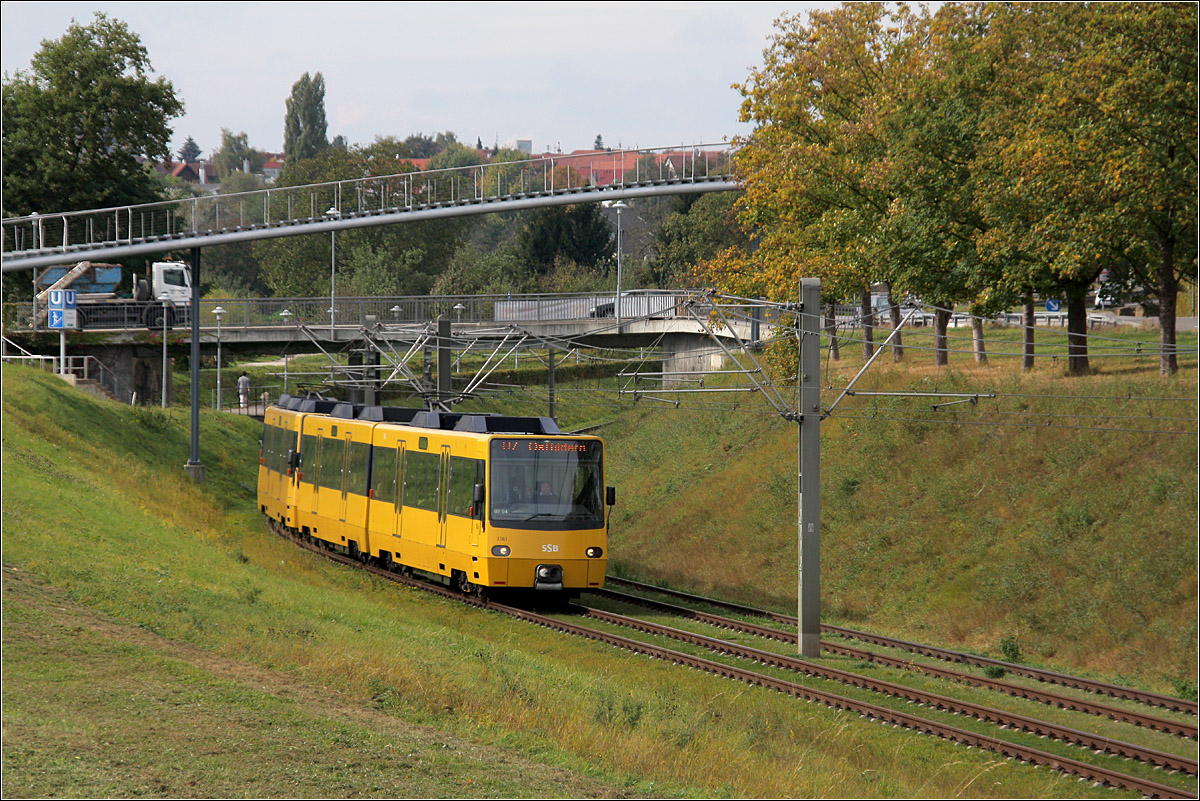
(285, 314)
(334, 213)
(219, 312)
(458, 308)
(618, 205)
(395, 310)
(164, 367)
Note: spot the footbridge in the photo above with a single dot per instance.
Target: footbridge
(48, 239)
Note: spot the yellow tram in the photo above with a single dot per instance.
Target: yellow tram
(485, 502)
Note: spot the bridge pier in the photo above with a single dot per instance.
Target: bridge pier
(138, 369)
(689, 353)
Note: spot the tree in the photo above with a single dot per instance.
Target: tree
(415, 253)
(189, 151)
(703, 230)
(1094, 161)
(79, 124)
(576, 233)
(304, 121)
(236, 154)
(815, 194)
(421, 146)
(599, 143)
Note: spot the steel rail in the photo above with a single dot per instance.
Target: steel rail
(870, 711)
(1135, 718)
(1041, 728)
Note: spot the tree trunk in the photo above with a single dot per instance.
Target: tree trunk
(1077, 353)
(977, 337)
(941, 321)
(1168, 291)
(868, 323)
(1027, 333)
(898, 339)
(831, 331)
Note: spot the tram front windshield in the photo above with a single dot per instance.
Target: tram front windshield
(548, 484)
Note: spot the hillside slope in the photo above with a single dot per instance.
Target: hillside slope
(159, 641)
(1011, 520)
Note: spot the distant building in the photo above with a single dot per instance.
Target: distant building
(272, 167)
(192, 172)
(525, 146)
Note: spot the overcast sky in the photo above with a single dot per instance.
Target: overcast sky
(641, 74)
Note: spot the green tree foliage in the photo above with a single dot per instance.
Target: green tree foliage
(1094, 157)
(189, 151)
(455, 155)
(421, 146)
(977, 153)
(400, 259)
(79, 123)
(304, 128)
(235, 154)
(575, 233)
(820, 99)
(705, 227)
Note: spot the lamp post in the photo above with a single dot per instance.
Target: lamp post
(395, 310)
(618, 205)
(334, 214)
(285, 314)
(219, 312)
(164, 367)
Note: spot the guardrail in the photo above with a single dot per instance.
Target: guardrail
(86, 368)
(351, 311)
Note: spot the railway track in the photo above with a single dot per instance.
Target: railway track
(936, 701)
(1134, 717)
(1034, 756)
(1048, 676)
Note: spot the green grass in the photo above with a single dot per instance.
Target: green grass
(137, 602)
(1077, 545)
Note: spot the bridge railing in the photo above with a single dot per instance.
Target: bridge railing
(64, 232)
(506, 309)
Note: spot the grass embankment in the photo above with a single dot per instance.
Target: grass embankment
(1016, 525)
(158, 641)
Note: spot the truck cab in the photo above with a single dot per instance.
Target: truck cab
(172, 281)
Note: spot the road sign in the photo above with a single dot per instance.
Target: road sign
(1053, 305)
(62, 308)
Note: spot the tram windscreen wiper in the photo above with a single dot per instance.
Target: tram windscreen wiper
(536, 515)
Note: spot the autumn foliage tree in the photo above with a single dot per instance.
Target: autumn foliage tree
(973, 154)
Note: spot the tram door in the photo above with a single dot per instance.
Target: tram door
(345, 477)
(399, 490)
(443, 495)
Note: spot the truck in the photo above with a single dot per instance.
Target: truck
(163, 297)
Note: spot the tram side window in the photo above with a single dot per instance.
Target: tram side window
(358, 468)
(464, 475)
(332, 452)
(279, 449)
(308, 458)
(421, 480)
(383, 473)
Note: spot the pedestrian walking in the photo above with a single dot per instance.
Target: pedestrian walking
(243, 388)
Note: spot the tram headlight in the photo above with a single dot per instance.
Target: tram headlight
(594, 553)
(500, 550)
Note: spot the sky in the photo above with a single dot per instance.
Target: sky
(644, 74)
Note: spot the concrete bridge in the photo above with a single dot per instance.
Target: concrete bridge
(673, 325)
